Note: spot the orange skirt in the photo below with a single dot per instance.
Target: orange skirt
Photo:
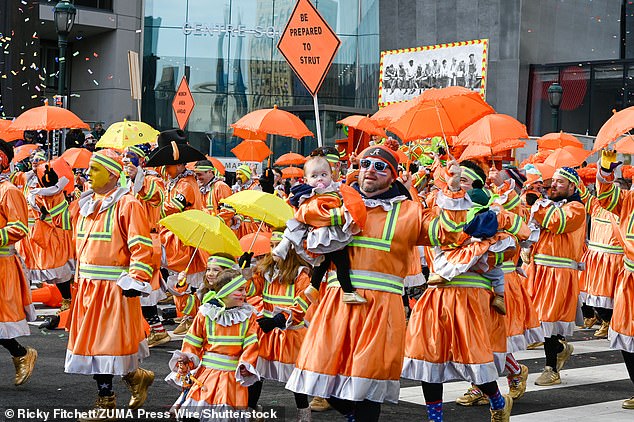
(599, 278)
(179, 255)
(454, 334)
(16, 299)
(278, 352)
(106, 333)
(353, 352)
(555, 293)
(621, 333)
(41, 263)
(522, 324)
(221, 389)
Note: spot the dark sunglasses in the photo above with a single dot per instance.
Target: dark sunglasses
(378, 164)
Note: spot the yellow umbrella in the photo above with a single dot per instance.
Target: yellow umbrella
(127, 133)
(262, 206)
(201, 230)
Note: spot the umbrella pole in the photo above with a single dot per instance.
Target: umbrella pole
(442, 129)
(192, 259)
(256, 235)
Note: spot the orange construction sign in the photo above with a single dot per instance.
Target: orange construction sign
(183, 103)
(309, 45)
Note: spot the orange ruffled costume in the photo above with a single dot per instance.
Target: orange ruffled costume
(223, 340)
(621, 203)
(553, 278)
(356, 352)
(279, 348)
(15, 307)
(114, 252)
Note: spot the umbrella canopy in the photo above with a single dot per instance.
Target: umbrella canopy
(126, 134)
(7, 134)
(261, 206)
(567, 156)
(625, 145)
(47, 118)
(261, 245)
(273, 121)
(247, 134)
(77, 158)
(558, 140)
(205, 231)
(290, 159)
(364, 124)
(23, 151)
(620, 123)
(492, 130)
(440, 112)
(217, 164)
(251, 150)
(391, 112)
(290, 172)
(62, 169)
(546, 170)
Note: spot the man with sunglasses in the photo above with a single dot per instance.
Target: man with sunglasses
(352, 355)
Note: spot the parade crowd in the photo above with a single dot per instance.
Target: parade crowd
(502, 259)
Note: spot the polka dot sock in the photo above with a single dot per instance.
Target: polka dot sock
(497, 401)
(434, 411)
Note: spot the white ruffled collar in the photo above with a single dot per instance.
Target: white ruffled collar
(224, 316)
(386, 204)
(88, 204)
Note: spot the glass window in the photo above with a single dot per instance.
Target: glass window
(607, 94)
(206, 57)
(575, 102)
(165, 13)
(540, 121)
(341, 15)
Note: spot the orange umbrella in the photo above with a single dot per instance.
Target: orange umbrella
(290, 172)
(546, 170)
(402, 157)
(47, 118)
(23, 151)
(567, 157)
(77, 158)
(364, 124)
(620, 123)
(625, 145)
(7, 134)
(290, 159)
(261, 245)
(440, 112)
(491, 131)
(483, 151)
(217, 164)
(273, 121)
(62, 169)
(558, 140)
(391, 112)
(251, 150)
(247, 134)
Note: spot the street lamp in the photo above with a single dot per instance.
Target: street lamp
(64, 19)
(555, 92)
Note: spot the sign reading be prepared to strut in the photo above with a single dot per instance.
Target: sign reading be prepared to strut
(309, 45)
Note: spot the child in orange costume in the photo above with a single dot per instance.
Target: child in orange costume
(223, 336)
(324, 224)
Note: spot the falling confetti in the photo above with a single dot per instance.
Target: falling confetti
(96, 83)
(76, 53)
(90, 71)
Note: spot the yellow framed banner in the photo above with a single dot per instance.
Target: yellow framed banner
(406, 73)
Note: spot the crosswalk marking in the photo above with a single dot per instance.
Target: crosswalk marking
(569, 378)
(606, 411)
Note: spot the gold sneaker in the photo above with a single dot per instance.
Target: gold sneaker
(353, 298)
(564, 355)
(183, 327)
(65, 305)
(138, 383)
(473, 397)
(548, 377)
(319, 404)
(156, 339)
(535, 345)
(628, 404)
(517, 383)
(602, 332)
(24, 366)
(504, 414)
(498, 304)
(434, 279)
(100, 411)
(312, 294)
(588, 323)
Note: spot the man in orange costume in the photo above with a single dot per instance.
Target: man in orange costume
(212, 188)
(15, 305)
(553, 277)
(621, 203)
(181, 194)
(352, 355)
(114, 256)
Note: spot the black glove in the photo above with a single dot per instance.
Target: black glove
(132, 293)
(180, 198)
(297, 191)
(268, 324)
(49, 178)
(43, 213)
(245, 260)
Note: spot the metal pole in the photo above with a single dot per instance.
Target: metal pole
(62, 42)
(555, 118)
(317, 123)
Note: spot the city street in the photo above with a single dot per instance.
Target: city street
(594, 382)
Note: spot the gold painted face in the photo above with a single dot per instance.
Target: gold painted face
(98, 176)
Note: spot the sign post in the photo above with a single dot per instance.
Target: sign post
(135, 80)
(309, 45)
(183, 103)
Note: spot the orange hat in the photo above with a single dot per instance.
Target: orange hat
(382, 153)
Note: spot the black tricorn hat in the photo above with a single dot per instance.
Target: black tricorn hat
(173, 149)
(7, 149)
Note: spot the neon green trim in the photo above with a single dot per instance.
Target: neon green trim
(139, 240)
(220, 362)
(385, 242)
(602, 247)
(140, 266)
(100, 272)
(371, 281)
(193, 340)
